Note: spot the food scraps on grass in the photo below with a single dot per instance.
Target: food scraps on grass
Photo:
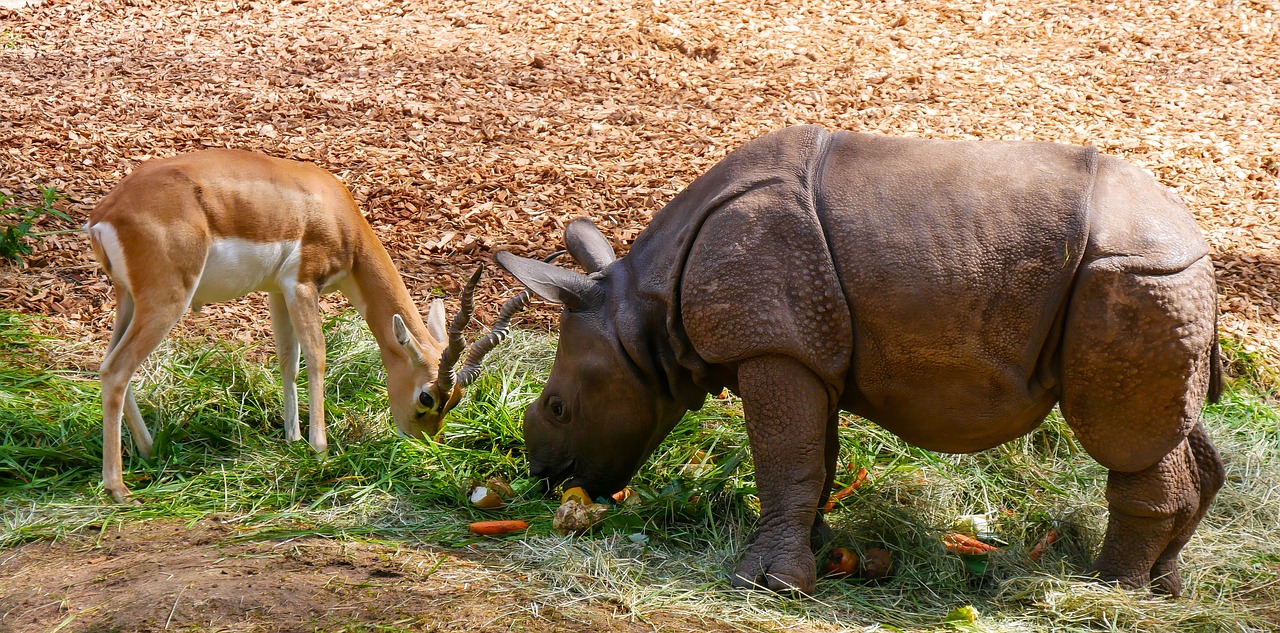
(497, 528)
(858, 480)
(484, 498)
(965, 544)
(574, 517)
(493, 493)
(578, 494)
(877, 562)
(626, 497)
(1048, 539)
(699, 465)
(842, 562)
(500, 487)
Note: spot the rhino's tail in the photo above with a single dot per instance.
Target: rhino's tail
(1215, 366)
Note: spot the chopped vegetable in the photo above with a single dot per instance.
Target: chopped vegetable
(962, 615)
(578, 494)
(1048, 539)
(965, 544)
(500, 487)
(877, 562)
(484, 498)
(842, 562)
(847, 490)
(573, 517)
(626, 497)
(495, 528)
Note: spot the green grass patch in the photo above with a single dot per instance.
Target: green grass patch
(215, 414)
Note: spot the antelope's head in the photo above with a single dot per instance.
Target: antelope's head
(434, 387)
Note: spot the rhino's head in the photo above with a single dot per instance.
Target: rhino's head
(607, 404)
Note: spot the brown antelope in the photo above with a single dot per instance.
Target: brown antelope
(218, 224)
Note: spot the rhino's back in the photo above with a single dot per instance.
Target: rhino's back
(956, 259)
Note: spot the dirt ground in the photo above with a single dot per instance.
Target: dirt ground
(171, 576)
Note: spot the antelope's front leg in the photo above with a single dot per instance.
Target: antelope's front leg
(787, 409)
(304, 314)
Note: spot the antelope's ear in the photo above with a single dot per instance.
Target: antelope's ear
(436, 321)
(587, 245)
(576, 291)
(405, 338)
(398, 328)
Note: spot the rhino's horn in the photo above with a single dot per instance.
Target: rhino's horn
(587, 245)
(557, 285)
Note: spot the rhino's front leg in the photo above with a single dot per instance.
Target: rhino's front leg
(787, 408)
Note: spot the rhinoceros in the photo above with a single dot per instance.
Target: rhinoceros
(949, 291)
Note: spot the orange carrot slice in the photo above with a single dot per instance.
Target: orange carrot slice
(965, 544)
(1047, 540)
(495, 528)
(847, 490)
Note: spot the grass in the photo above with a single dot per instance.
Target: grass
(219, 454)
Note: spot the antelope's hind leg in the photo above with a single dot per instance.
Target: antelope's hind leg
(141, 323)
(289, 351)
(1137, 355)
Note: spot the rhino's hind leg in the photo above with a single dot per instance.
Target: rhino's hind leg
(1211, 474)
(1148, 510)
(821, 536)
(787, 410)
(1136, 358)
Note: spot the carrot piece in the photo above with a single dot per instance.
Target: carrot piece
(495, 528)
(847, 490)
(1045, 541)
(965, 544)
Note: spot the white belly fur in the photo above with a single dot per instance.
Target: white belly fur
(235, 267)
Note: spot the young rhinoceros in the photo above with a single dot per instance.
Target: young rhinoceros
(951, 292)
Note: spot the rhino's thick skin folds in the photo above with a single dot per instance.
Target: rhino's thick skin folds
(951, 292)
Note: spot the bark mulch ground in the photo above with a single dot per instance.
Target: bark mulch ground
(466, 126)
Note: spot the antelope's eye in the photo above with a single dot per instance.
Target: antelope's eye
(426, 400)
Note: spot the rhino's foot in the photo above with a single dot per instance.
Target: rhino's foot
(1165, 579)
(778, 574)
(1112, 577)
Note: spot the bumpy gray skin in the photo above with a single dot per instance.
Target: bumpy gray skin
(951, 292)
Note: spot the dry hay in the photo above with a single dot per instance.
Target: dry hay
(467, 126)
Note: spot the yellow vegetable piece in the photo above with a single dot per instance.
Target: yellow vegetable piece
(578, 494)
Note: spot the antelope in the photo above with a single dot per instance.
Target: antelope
(217, 224)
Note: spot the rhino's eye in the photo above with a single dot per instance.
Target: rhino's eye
(556, 406)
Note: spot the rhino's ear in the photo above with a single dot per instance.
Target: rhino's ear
(557, 285)
(587, 245)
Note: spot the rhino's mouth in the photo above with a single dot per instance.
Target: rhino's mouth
(551, 479)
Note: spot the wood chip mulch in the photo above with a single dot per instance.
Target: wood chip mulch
(464, 126)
